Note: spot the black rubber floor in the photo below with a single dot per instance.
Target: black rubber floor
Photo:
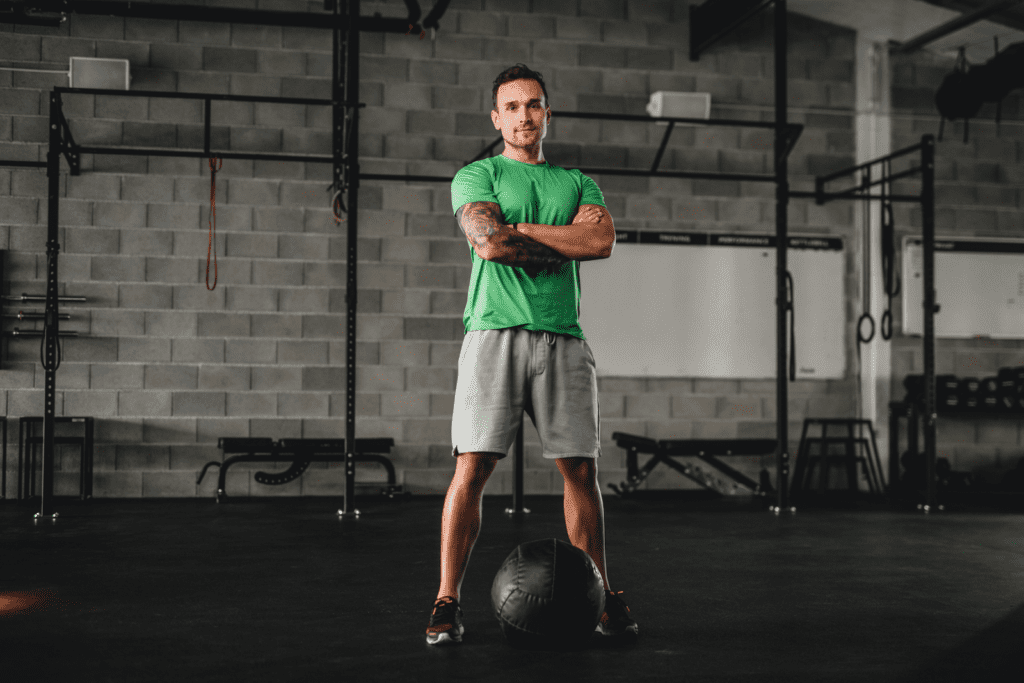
(282, 590)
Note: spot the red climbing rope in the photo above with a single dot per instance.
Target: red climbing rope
(214, 167)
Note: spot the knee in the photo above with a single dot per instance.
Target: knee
(578, 470)
(474, 469)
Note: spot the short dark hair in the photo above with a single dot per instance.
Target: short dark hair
(514, 73)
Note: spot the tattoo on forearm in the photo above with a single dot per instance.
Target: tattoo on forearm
(488, 233)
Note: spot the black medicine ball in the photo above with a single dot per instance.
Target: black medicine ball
(548, 593)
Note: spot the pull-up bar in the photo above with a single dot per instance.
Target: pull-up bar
(73, 151)
(926, 148)
(16, 11)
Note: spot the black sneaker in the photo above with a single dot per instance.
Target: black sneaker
(617, 624)
(445, 622)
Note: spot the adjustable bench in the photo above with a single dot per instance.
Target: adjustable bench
(301, 452)
(704, 450)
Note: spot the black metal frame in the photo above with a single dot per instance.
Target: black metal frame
(955, 24)
(926, 168)
(16, 9)
(345, 158)
(708, 23)
(715, 19)
(346, 173)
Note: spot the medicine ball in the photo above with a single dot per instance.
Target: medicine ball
(548, 594)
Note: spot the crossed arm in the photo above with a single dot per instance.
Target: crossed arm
(590, 236)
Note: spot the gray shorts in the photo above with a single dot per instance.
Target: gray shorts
(553, 377)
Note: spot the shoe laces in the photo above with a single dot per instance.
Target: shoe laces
(616, 594)
(443, 602)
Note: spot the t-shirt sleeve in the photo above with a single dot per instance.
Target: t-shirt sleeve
(473, 183)
(591, 193)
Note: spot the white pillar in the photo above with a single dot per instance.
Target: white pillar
(873, 139)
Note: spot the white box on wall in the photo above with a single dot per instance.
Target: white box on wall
(683, 105)
(95, 72)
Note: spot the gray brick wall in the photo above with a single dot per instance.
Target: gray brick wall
(167, 367)
(978, 194)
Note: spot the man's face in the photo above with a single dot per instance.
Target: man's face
(522, 114)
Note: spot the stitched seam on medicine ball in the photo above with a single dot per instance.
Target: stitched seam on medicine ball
(554, 568)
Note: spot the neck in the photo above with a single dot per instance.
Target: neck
(539, 159)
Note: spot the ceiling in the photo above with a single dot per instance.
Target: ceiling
(901, 20)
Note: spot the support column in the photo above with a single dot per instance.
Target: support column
(930, 309)
(782, 236)
(346, 173)
(873, 135)
(51, 328)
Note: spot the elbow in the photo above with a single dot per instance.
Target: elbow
(610, 248)
(485, 251)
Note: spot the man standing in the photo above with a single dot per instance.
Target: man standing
(528, 224)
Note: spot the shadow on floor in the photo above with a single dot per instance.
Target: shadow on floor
(991, 656)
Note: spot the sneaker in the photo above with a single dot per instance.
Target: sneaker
(616, 621)
(445, 622)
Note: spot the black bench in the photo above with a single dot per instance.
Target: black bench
(704, 451)
(301, 452)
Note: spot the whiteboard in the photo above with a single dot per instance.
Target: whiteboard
(979, 286)
(679, 304)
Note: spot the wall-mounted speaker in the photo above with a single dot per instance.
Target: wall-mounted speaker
(683, 105)
(94, 72)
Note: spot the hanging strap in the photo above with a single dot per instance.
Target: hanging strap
(215, 165)
(892, 289)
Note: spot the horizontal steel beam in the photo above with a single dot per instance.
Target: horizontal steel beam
(954, 25)
(829, 196)
(129, 151)
(11, 11)
(738, 123)
(192, 96)
(30, 164)
(888, 157)
(712, 20)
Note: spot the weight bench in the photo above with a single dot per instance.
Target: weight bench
(704, 450)
(301, 452)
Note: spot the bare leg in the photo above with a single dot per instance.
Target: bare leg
(584, 509)
(460, 522)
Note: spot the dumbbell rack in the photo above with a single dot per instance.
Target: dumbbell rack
(991, 398)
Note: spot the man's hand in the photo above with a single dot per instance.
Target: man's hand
(585, 214)
(588, 213)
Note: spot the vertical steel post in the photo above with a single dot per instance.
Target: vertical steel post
(51, 317)
(928, 220)
(346, 158)
(781, 232)
(518, 509)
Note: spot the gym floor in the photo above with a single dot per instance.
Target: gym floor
(280, 589)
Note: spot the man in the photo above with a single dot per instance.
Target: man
(528, 224)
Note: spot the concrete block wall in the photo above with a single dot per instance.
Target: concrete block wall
(978, 194)
(167, 366)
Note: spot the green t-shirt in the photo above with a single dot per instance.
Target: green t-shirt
(503, 296)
